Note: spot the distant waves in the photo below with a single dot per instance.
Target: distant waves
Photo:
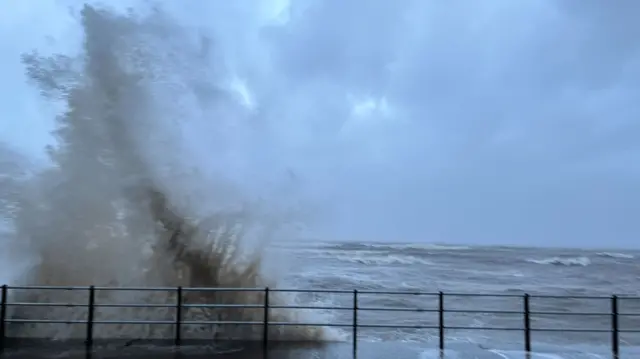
(390, 254)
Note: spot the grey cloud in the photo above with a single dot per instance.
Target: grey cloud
(508, 122)
(519, 124)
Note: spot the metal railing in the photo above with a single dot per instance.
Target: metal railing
(525, 312)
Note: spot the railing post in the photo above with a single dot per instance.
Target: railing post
(441, 321)
(265, 328)
(527, 323)
(355, 323)
(90, 316)
(3, 317)
(615, 333)
(178, 325)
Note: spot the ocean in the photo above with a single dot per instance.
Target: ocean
(479, 270)
(590, 276)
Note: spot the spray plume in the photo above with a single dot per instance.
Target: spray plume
(113, 210)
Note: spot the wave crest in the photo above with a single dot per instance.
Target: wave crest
(388, 259)
(615, 255)
(563, 261)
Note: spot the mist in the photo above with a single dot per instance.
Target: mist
(493, 122)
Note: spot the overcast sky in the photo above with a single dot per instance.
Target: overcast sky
(482, 122)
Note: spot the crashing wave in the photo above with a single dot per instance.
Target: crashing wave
(109, 211)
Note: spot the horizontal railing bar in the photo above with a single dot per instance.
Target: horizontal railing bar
(396, 292)
(134, 305)
(483, 328)
(557, 296)
(45, 321)
(32, 304)
(47, 287)
(307, 307)
(480, 295)
(205, 289)
(258, 289)
(481, 311)
(221, 322)
(136, 289)
(186, 322)
(574, 330)
(396, 309)
(243, 306)
(328, 291)
(304, 324)
(571, 313)
(260, 306)
(171, 322)
(389, 326)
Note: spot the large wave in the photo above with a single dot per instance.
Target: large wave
(117, 207)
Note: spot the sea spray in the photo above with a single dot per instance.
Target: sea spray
(109, 211)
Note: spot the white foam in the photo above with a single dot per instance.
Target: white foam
(389, 259)
(563, 261)
(615, 255)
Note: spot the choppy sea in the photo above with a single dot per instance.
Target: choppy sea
(511, 271)
(589, 277)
